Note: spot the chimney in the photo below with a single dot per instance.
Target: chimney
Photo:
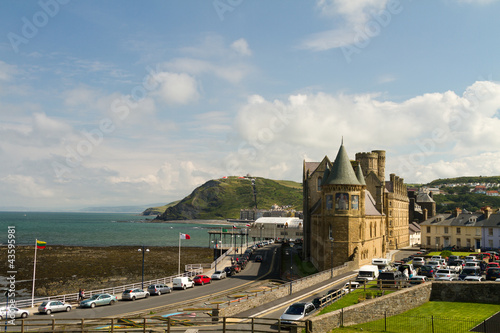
(487, 212)
(457, 212)
(425, 214)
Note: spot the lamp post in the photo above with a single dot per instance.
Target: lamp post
(217, 244)
(331, 257)
(143, 250)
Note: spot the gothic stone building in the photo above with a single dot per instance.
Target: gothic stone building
(351, 211)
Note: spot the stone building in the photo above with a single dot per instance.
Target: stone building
(350, 211)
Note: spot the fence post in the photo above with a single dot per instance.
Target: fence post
(224, 324)
(279, 325)
(385, 321)
(83, 325)
(53, 324)
(484, 324)
(22, 325)
(168, 325)
(112, 325)
(432, 323)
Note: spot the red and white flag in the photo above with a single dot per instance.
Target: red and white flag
(234, 227)
(185, 236)
(248, 225)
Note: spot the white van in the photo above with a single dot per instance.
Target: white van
(367, 273)
(183, 283)
(381, 263)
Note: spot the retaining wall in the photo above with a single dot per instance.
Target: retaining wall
(268, 296)
(475, 292)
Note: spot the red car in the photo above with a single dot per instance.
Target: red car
(201, 279)
(491, 265)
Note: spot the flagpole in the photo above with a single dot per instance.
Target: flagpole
(34, 271)
(179, 270)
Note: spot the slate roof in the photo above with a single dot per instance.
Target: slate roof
(423, 197)
(370, 208)
(342, 172)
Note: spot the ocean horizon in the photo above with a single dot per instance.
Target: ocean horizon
(101, 229)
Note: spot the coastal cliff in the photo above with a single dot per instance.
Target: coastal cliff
(223, 199)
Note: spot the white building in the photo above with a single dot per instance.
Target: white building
(276, 228)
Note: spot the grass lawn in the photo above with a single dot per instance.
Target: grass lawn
(442, 316)
(460, 254)
(354, 297)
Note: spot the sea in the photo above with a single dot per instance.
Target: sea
(101, 229)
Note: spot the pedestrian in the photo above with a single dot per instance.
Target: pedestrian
(83, 294)
(80, 295)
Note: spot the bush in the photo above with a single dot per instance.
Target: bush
(446, 254)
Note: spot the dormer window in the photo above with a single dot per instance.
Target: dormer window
(472, 219)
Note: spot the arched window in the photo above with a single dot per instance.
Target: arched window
(319, 184)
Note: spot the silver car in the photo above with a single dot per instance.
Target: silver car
(158, 289)
(219, 275)
(297, 311)
(48, 307)
(133, 294)
(12, 312)
(446, 273)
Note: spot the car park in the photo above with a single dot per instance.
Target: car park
(158, 289)
(133, 294)
(297, 311)
(202, 279)
(48, 307)
(183, 283)
(493, 274)
(97, 300)
(445, 272)
(219, 275)
(12, 312)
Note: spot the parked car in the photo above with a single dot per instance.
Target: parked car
(418, 262)
(408, 268)
(98, 299)
(434, 264)
(445, 278)
(297, 311)
(446, 272)
(473, 278)
(417, 279)
(183, 283)
(158, 289)
(12, 311)
(317, 302)
(350, 286)
(133, 294)
(442, 262)
(201, 279)
(469, 271)
(436, 257)
(493, 274)
(492, 265)
(48, 307)
(456, 265)
(427, 271)
(470, 258)
(390, 279)
(229, 271)
(219, 275)
(258, 258)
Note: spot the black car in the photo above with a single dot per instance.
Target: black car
(229, 271)
(469, 271)
(427, 271)
(391, 279)
(258, 258)
(492, 274)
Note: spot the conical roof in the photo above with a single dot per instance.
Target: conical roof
(342, 172)
(359, 175)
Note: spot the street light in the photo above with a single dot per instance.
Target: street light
(143, 250)
(331, 257)
(216, 242)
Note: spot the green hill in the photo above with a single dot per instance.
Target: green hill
(223, 198)
(466, 179)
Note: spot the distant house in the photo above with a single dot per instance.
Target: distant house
(480, 189)
(492, 193)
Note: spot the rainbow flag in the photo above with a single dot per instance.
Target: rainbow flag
(40, 244)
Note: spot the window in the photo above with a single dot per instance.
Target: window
(445, 230)
(329, 202)
(437, 240)
(490, 233)
(459, 231)
(428, 241)
(428, 230)
(459, 242)
(490, 242)
(478, 232)
(468, 242)
(320, 179)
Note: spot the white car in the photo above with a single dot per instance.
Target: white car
(446, 273)
(348, 287)
(219, 275)
(133, 294)
(12, 312)
(296, 311)
(473, 278)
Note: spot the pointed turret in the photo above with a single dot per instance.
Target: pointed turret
(359, 175)
(342, 172)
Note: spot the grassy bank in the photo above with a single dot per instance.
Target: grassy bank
(65, 269)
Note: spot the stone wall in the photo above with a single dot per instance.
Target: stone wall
(475, 292)
(266, 297)
(374, 309)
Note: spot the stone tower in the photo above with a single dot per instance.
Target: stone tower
(373, 162)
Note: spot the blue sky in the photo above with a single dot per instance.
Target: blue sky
(128, 102)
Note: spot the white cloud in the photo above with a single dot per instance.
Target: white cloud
(7, 71)
(241, 47)
(358, 22)
(417, 133)
(177, 88)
